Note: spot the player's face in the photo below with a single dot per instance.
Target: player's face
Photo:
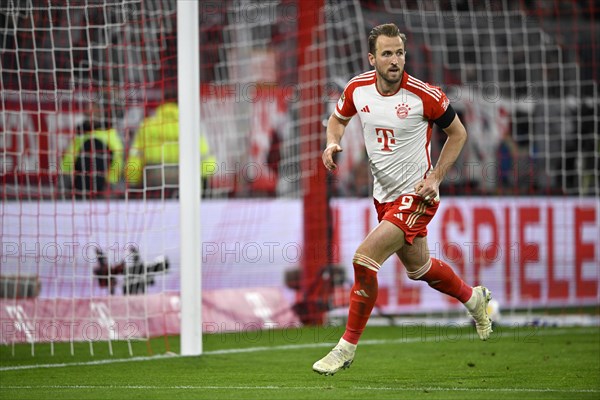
(389, 58)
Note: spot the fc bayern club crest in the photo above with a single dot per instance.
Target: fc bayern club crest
(402, 110)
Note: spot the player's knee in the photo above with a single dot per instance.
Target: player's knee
(362, 262)
(418, 273)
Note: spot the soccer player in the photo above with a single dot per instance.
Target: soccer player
(397, 112)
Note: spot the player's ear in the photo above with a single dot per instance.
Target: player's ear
(371, 60)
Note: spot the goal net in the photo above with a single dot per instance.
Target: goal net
(81, 260)
(90, 225)
(90, 180)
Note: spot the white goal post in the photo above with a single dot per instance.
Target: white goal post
(188, 79)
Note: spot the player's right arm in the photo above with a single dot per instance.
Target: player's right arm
(335, 131)
(344, 111)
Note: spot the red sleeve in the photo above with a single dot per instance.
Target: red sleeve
(345, 108)
(436, 103)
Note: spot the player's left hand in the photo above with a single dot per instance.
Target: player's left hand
(428, 189)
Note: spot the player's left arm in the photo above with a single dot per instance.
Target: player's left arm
(428, 188)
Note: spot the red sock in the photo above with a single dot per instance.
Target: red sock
(442, 278)
(362, 297)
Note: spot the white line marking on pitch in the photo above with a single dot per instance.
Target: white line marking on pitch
(213, 352)
(365, 388)
(261, 349)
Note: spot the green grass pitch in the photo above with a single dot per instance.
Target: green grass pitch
(403, 362)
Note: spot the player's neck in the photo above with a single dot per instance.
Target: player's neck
(386, 88)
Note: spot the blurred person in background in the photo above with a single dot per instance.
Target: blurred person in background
(153, 160)
(93, 161)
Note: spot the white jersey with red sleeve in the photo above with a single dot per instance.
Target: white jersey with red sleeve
(396, 128)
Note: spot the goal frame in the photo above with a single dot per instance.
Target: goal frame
(188, 82)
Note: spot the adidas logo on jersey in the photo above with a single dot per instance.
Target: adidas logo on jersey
(365, 109)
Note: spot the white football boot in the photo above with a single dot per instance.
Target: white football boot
(477, 306)
(340, 357)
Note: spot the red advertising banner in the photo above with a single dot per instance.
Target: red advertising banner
(531, 252)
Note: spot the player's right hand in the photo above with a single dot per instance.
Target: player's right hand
(328, 156)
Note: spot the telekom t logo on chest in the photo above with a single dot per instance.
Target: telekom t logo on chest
(385, 136)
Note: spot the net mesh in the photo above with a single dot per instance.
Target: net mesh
(526, 74)
(82, 260)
